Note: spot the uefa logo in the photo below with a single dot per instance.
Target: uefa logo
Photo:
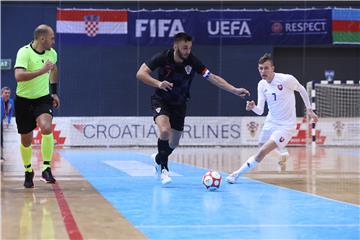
(276, 27)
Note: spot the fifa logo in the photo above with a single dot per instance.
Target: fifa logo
(158, 27)
(339, 127)
(252, 127)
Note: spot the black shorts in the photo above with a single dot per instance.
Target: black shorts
(27, 110)
(176, 113)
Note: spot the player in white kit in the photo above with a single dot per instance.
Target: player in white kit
(277, 89)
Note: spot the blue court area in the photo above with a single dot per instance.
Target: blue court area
(186, 210)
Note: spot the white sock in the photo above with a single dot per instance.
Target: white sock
(282, 152)
(247, 166)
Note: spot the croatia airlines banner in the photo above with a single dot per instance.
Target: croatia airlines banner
(215, 131)
(92, 26)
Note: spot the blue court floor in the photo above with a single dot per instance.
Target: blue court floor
(186, 210)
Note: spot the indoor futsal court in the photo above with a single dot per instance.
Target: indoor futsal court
(125, 81)
(113, 194)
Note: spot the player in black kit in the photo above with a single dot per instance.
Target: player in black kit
(177, 67)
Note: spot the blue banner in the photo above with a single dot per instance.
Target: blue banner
(231, 27)
(297, 27)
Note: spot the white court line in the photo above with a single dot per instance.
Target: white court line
(250, 225)
(306, 193)
(135, 168)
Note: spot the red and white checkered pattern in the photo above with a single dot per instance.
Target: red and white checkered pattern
(91, 27)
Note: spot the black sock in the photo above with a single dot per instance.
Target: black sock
(164, 151)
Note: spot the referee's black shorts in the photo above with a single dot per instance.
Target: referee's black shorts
(27, 110)
(176, 113)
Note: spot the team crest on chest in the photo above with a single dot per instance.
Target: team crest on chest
(280, 87)
(188, 69)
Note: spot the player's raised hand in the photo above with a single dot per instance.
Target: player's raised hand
(250, 105)
(314, 118)
(242, 92)
(165, 85)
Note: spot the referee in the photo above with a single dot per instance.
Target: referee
(35, 70)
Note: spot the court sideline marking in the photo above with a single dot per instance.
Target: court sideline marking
(249, 225)
(69, 221)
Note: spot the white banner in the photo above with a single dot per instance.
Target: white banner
(128, 131)
(198, 131)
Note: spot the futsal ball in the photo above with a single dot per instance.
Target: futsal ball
(211, 180)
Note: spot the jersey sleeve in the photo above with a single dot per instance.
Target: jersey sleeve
(200, 68)
(22, 59)
(259, 108)
(293, 84)
(53, 56)
(156, 61)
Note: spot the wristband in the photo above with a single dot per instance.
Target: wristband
(53, 88)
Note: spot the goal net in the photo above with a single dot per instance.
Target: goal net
(337, 104)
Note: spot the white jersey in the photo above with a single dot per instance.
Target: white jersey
(280, 98)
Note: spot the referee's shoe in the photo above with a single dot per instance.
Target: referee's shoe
(29, 176)
(47, 176)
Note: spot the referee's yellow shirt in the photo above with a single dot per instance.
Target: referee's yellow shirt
(31, 60)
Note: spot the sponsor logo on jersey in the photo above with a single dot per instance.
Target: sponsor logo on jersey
(282, 139)
(158, 110)
(280, 87)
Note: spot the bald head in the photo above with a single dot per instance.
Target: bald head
(41, 31)
(44, 38)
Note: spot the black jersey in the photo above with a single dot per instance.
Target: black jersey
(180, 74)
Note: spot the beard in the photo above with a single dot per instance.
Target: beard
(180, 55)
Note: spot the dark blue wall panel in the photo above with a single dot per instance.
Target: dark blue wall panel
(99, 80)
